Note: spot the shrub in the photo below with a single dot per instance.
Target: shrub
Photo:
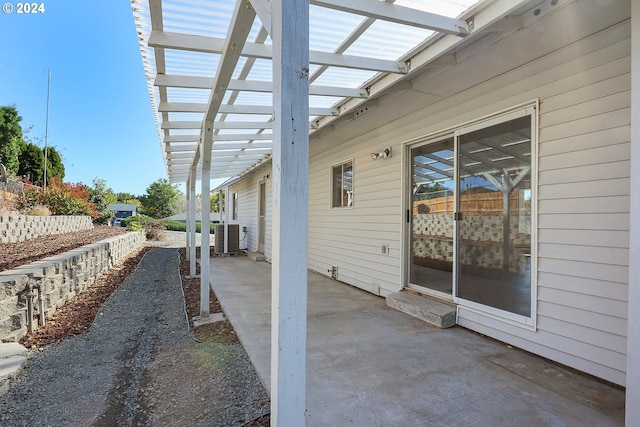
(37, 210)
(133, 223)
(155, 234)
(175, 225)
(60, 198)
(153, 228)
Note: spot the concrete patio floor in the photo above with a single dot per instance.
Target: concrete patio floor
(369, 365)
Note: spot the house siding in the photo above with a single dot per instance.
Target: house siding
(247, 189)
(581, 78)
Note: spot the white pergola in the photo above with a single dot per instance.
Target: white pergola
(234, 83)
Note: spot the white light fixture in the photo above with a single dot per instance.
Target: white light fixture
(381, 155)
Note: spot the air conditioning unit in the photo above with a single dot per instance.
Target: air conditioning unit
(234, 239)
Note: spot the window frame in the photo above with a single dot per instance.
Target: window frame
(341, 165)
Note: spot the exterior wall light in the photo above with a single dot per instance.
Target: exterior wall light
(381, 155)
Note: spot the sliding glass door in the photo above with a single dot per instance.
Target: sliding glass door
(432, 208)
(470, 215)
(494, 216)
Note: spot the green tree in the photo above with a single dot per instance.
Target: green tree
(31, 161)
(214, 202)
(161, 199)
(10, 138)
(54, 164)
(123, 197)
(102, 196)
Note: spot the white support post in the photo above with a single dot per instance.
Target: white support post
(226, 220)
(192, 223)
(205, 229)
(188, 221)
(633, 323)
(290, 36)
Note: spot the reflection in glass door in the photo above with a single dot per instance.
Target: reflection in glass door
(432, 208)
(494, 216)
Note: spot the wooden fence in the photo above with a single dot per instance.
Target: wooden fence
(479, 204)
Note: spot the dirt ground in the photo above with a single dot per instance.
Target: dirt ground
(185, 383)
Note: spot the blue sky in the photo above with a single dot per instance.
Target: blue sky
(100, 117)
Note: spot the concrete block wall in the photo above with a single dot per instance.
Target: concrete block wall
(65, 274)
(17, 228)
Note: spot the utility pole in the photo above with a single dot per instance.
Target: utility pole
(46, 133)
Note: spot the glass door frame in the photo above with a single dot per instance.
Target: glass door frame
(530, 109)
(409, 213)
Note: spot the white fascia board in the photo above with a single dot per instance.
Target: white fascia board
(398, 14)
(483, 19)
(214, 45)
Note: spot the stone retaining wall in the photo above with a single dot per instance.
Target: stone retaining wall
(17, 228)
(65, 274)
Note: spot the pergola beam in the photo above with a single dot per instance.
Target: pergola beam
(239, 29)
(182, 138)
(179, 148)
(193, 107)
(214, 45)
(240, 145)
(218, 125)
(398, 14)
(192, 82)
(222, 137)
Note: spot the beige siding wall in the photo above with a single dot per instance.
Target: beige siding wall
(247, 190)
(581, 77)
(351, 238)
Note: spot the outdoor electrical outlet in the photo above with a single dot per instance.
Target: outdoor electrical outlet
(385, 249)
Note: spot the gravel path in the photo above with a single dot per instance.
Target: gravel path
(137, 365)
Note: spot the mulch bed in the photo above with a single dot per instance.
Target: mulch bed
(21, 253)
(214, 332)
(77, 314)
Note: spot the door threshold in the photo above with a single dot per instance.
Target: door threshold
(437, 295)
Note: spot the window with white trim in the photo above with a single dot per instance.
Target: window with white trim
(342, 185)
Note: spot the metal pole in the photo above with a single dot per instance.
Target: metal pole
(46, 133)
